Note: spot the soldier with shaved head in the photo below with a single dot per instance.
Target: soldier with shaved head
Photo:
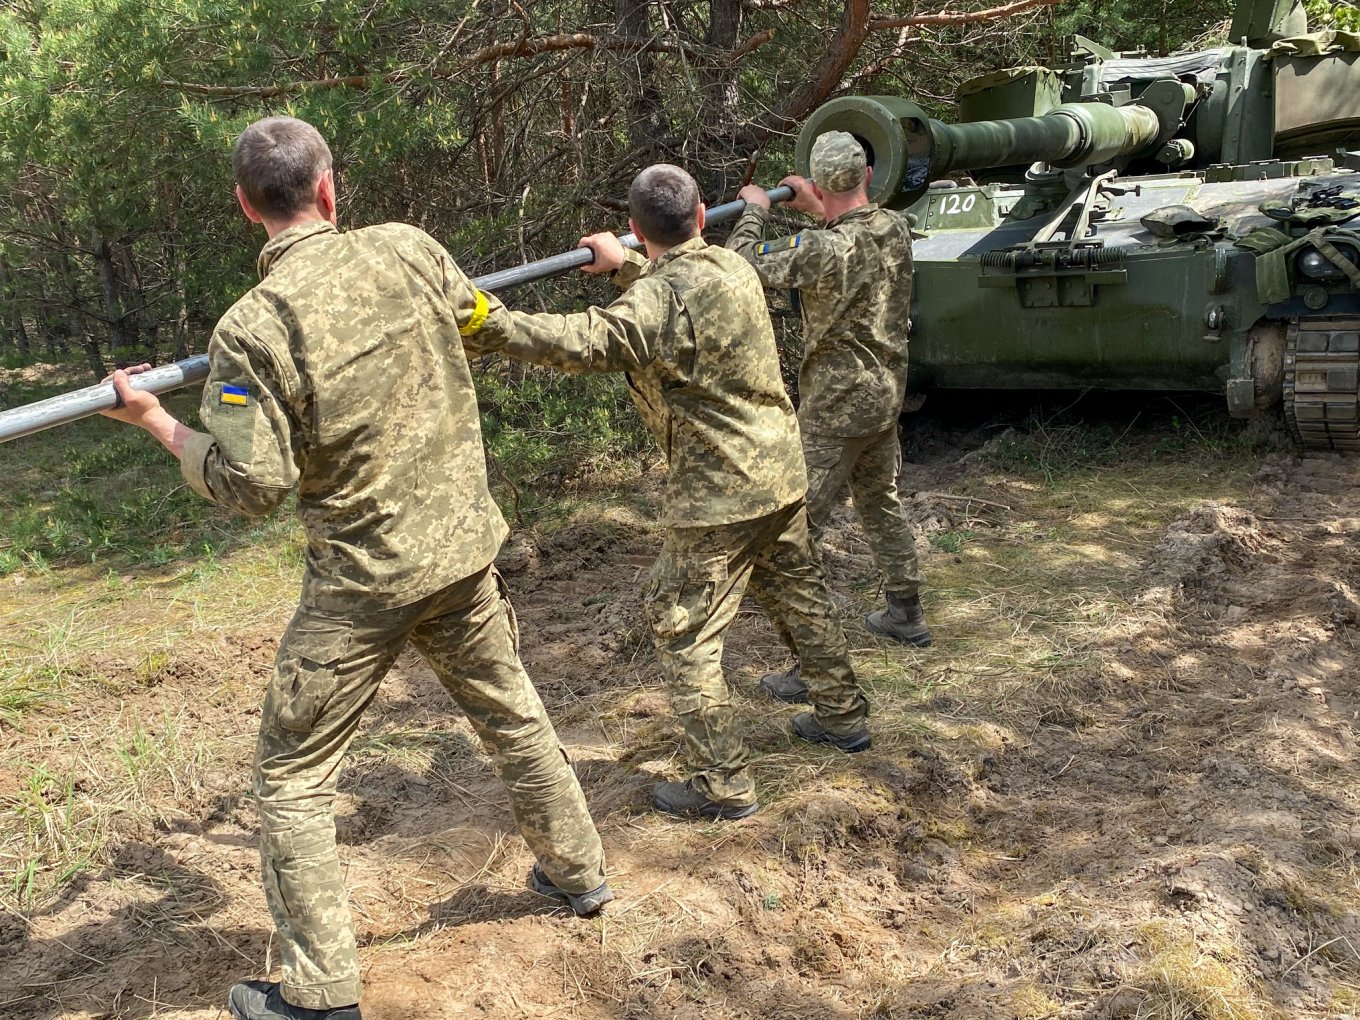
(342, 377)
(692, 333)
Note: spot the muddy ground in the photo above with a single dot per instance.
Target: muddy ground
(1122, 783)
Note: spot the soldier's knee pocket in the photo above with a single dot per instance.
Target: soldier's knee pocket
(284, 839)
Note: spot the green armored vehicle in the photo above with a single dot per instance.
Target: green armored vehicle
(1133, 223)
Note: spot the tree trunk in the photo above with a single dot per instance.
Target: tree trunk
(181, 270)
(94, 357)
(14, 315)
(179, 275)
(142, 322)
(108, 282)
(632, 19)
(823, 78)
(89, 340)
(724, 30)
(721, 97)
(50, 326)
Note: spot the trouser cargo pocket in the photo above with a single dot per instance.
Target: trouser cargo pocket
(304, 680)
(680, 598)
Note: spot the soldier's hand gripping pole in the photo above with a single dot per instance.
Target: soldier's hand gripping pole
(555, 265)
(69, 407)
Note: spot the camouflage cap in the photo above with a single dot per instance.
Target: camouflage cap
(837, 162)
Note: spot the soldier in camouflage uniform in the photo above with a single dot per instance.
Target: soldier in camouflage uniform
(342, 375)
(854, 282)
(693, 334)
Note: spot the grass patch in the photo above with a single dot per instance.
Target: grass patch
(51, 833)
(61, 820)
(100, 492)
(951, 541)
(1189, 978)
(1055, 447)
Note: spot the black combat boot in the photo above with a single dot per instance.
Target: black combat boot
(786, 686)
(806, 726)
(582, 904)
(903, 620)
(263, 1000)
(684, 800)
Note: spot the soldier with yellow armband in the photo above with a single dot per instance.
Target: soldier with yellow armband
(342, 376)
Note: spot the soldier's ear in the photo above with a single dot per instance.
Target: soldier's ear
(246, 207)
(636, 232)
(325, 194)
(868, 177)
(700, 219)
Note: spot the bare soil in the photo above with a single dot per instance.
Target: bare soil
(1122, 784)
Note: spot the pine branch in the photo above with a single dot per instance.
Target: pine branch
(517, 48)
(960, 17)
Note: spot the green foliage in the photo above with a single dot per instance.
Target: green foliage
(111, 134)
(951, 541)
(1327, 14)
(1156, 28)
(545, 431)
(97, 492)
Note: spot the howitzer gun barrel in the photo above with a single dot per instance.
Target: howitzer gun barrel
(908, 150)
(1071, 135)
(69, 407)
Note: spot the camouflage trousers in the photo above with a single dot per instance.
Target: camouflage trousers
(328, 670)
(870, 464)
(697, 586)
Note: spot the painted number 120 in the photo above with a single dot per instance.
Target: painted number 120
(951, 205)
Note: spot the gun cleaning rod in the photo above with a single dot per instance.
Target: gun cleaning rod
(68, 407)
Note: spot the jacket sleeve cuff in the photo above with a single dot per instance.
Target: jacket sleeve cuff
(634, 263)
(194, 461)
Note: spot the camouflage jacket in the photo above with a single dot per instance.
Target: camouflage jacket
(854, 280)
(342, 374)
(693, 334)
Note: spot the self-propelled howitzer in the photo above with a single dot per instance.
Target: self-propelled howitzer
(1136, 223)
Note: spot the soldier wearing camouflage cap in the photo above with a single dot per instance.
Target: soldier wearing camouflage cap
(342, 376)
(853, 276)
(693, 334)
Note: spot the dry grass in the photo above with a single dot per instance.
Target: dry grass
(977, 863)
(85, 657)
(1195, 975)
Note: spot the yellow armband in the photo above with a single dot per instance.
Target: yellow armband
(479, 313)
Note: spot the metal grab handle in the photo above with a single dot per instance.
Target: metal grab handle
(77, 404)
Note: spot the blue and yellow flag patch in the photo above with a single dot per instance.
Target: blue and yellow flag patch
(237, 395)
(784, 244)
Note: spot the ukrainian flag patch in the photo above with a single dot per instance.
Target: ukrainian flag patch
(237, 395)
(783, 245)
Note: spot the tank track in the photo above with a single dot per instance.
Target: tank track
(1322, 383)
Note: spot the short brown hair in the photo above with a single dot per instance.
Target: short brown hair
(277, 162)
(664, 203)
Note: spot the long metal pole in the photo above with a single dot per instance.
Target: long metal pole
(69, 407)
